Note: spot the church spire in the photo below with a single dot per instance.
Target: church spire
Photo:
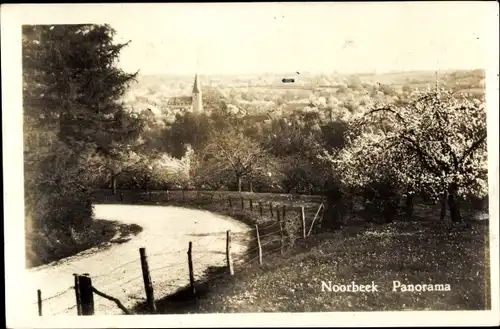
(197, 105)
(196, 86)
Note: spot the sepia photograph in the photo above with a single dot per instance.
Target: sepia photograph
(225, 164)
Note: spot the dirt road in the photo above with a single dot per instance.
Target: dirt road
(116, 271)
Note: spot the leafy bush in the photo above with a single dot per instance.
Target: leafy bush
(56, 200)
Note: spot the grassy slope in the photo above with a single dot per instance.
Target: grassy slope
(411, 252)
(293, 283)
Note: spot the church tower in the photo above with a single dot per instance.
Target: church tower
(197, 101)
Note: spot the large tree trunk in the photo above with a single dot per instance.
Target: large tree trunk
(350, 200)
(335, 210)
(239, 183)
(113, 184)
(454, 206)
(409, 206)
(443, 206)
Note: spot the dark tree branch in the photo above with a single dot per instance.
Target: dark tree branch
(386, 109)
(113, 299)
(473, 147)
(446, 146)
(423, 155)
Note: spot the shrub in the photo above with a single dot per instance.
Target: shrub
(56, 200)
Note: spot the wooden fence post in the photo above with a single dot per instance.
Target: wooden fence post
(121, 197)
(168, 195)
(314, 219)
(242, 203)
(183, 196)
(212, 197)
(190, 263)
(230, 203)
(271, 209)
(284, 212)
(198, 194)
(228, 253)
(251, 204)
(77, 295)
(303, 217)
(258, 243)
(86, 294)
(278, 215)
(260, 209)
(148, 286)
(39, 298)
(282, 238)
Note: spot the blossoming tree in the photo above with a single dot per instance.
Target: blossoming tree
(434, 144)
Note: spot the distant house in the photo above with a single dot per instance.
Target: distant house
(180, 101)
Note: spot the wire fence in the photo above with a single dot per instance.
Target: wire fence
(65, 310)
(276, 228)
(59, 294)
(207, 196)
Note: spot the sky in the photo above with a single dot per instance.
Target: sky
(314, 37)
(238, 38)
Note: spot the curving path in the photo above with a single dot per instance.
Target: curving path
(117, 271)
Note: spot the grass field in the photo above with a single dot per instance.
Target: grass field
(418, 251)
(410, 252)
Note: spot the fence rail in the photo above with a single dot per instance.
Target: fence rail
(279, 214)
